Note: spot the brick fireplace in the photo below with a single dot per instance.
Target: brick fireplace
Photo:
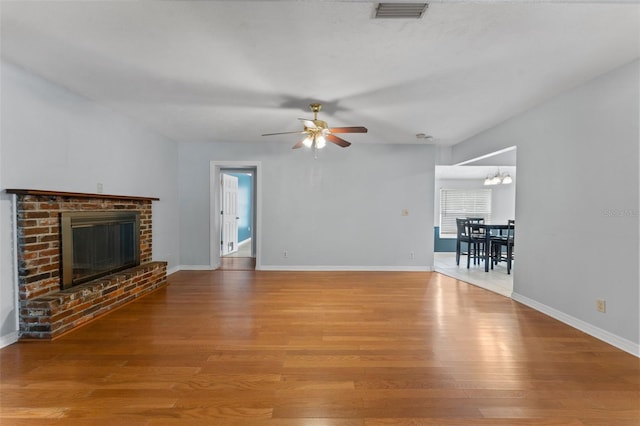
(47, 311)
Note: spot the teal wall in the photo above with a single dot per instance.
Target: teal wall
(442, 244)
(244, 206)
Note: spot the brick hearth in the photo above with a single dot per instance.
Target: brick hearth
(45, 311)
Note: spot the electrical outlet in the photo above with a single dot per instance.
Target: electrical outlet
(285, 253)
(601, 305)
(412, 255)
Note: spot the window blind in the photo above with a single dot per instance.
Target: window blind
(462, 203)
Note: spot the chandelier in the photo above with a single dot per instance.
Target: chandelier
(498, 178)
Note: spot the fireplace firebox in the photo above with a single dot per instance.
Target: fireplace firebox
(98, 243)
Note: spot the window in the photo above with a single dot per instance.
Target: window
(459, 203)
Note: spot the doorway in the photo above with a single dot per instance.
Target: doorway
(236, 248)
(467, 177)
(235, 215)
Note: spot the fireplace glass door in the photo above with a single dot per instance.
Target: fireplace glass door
(97, 243)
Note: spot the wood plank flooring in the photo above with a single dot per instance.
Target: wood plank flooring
(325, 348)
(229, 263)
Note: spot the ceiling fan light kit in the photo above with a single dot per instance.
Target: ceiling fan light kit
(318, 133)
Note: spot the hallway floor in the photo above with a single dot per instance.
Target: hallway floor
(244, 249)
(240, 260)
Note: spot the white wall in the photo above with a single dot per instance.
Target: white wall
(577, 204)
(52, 139)
(8, 312)
(341, 211)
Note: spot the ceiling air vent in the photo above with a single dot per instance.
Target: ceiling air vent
(400, 10)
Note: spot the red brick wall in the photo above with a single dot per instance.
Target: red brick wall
(39, 251)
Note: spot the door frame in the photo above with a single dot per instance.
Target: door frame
(215, 222)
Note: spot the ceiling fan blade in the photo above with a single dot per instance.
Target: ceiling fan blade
(298, 145)
(353, 129)
(282, 133)
(338, 141)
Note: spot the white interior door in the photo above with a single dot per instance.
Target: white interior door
(229, 214)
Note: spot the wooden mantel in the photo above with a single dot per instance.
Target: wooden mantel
(77, 194)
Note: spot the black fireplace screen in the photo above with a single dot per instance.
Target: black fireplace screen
(97, 243)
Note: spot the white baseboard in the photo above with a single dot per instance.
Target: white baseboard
(8, 339)
(173, 270)
(193, 268)
(344, 268)
(610, 338)
(311, 268)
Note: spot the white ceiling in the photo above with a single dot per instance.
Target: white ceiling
(232, 70)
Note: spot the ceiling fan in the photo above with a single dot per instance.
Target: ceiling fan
(318, 132)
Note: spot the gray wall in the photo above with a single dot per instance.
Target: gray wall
(577, 204)
(342, 210)
(53, 139)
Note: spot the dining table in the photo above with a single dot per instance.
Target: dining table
(487, 228)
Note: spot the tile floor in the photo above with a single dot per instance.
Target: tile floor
(496, 280)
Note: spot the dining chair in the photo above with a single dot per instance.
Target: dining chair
(474, 244)
(461, 237)
(479, 235)
(476, 219)
(503, 241)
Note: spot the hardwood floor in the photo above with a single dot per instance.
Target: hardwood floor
(237, 263)
(325, 348)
